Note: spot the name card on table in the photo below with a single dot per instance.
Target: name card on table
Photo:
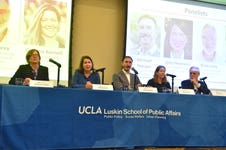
(107, 87)
(40, 83)
(186, 91)
(218, 93)
(148, 89)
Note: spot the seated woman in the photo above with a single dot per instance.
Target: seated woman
(159, 80)
(31, 71)
(85, 75)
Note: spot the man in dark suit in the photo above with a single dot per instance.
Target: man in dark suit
(124, 80)
(199, 87)
(31, 71)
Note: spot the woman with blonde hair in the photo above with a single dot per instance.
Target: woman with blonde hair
(44, 28)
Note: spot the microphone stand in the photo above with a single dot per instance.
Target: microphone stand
(58, 76)
(58, 71)
(135, 76)
(172, 83)
(102, 73)
(103, 77)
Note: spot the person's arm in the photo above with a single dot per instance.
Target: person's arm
(168, 85)
(16, 75)
(43, 73)
(138, 83)
(160, 88)
(46, 74)
(150, 83)
(96, 79)
(185, 85)
(203, 88)
(93, 79)
(76, 83)
(117, 84)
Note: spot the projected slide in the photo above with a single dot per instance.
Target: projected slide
(178, 36)
(35, 24)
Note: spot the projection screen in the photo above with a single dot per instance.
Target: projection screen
(178, 35)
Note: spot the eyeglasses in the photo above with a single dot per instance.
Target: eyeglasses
(34, 55)
(194, 73)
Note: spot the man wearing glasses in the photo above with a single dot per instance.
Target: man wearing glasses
(193, 83)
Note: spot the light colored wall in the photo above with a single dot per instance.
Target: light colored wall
(98, 31)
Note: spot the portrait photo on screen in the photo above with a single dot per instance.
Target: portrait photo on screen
(144, 36)
(178, 38)
(44, 22)
(9, 23)
(4, 20)
(44, 25)
(209, 43)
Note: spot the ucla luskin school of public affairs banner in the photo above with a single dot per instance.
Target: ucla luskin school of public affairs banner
(51, 118)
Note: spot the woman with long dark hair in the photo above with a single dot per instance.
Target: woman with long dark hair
(85, 75)
(159, 80)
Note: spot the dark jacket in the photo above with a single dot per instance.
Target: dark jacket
(203, 89)
(160, 87)
(25, 71)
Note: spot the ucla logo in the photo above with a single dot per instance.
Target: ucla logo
(89, 110)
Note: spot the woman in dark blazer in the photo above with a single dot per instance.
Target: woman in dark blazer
(31, 71)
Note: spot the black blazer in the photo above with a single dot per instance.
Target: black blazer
(203, 89)
(25, 71)
(159, 87)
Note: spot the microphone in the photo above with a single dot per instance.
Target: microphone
(56, 63)
(101, 69)
(171, 75)
(134, 70)
(203, 78)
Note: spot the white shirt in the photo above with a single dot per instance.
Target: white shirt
(127, 75)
